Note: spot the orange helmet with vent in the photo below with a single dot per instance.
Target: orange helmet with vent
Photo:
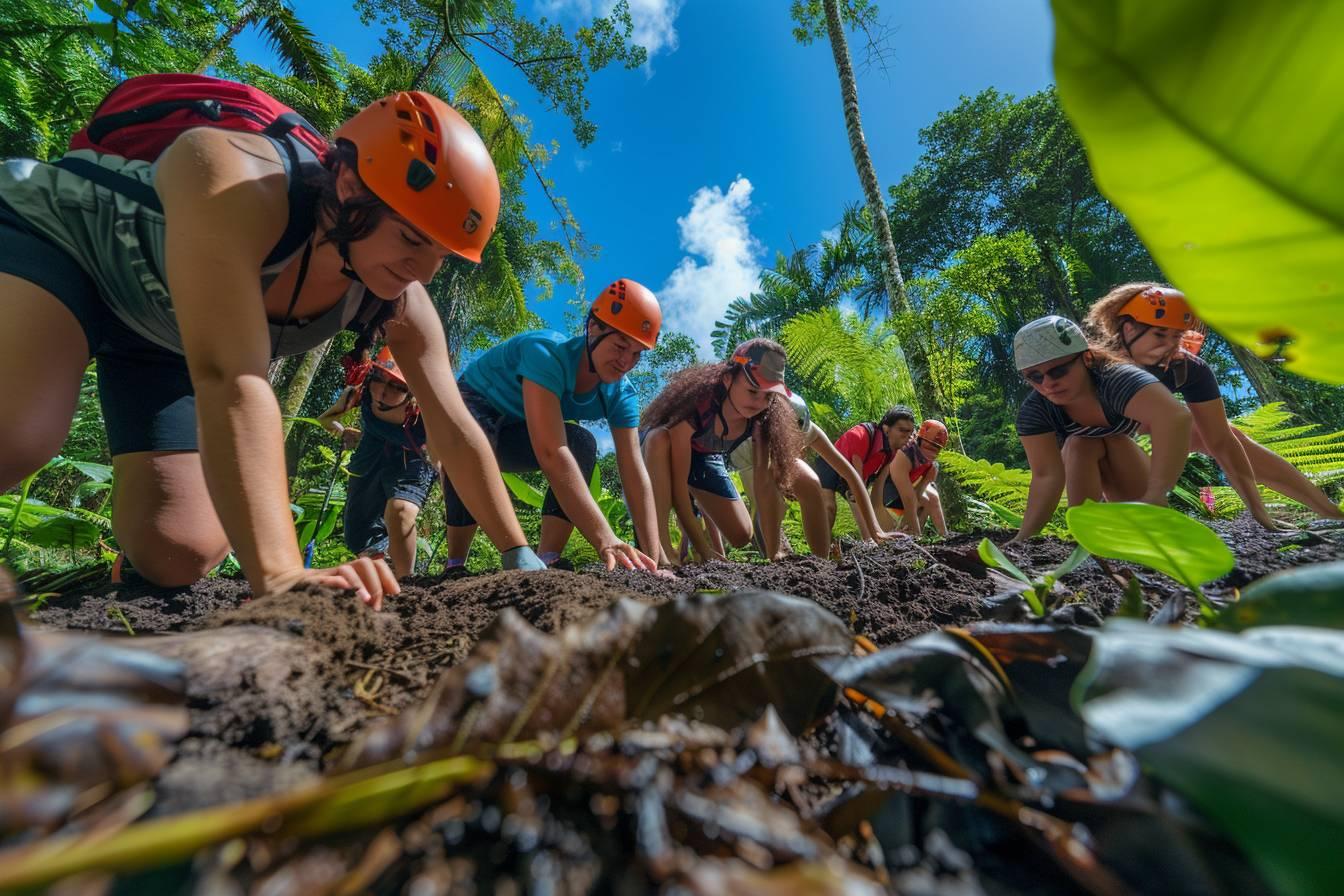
(1162, 306)
(630, 308)
(386, 365)
(422, 158)
(933, 431)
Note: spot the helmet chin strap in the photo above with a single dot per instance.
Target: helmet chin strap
(594, 343)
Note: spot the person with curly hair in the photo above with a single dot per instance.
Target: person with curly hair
(700, 417)
(1154, 326)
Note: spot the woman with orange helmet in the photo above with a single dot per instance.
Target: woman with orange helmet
(273, 250)
(908, 481)
(1154, 326)
(529, 394)
(390, 472)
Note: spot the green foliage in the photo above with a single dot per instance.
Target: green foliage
(809, 17)
(1319, 455)
(1235, 182)
(1157, 537)
(850, 370)
(1039, 593)
(1303, 595)
(997, 486)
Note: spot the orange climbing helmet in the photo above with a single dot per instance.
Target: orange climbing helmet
(932, 431)
(630, 308)
(386, 365)
(422, 158)
(1162, 306)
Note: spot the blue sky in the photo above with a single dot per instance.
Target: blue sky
(730, 145)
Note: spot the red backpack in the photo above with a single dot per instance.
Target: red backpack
(141, 116)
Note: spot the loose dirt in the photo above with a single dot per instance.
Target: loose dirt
(286, 680)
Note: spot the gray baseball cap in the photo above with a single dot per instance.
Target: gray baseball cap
(763, 365)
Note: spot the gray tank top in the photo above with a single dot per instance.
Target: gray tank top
(119, 243)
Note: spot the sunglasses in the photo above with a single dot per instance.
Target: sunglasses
(1058, 372)
(389, 383)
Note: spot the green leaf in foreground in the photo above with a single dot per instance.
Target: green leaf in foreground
(1215, 128)
(1246, 728)
(1157, 537)
(991, 556)
(1305, 595)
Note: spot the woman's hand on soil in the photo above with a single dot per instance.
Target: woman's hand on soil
(1273, 525)
(371, 580)
(628, 556)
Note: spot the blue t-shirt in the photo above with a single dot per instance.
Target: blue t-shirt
(552, 361)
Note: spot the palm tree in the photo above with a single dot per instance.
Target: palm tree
(849, 369)
(297, 47)
(811, 279)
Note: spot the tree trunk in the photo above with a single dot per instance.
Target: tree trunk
(897, 301)
(291, 400)
(1257, 374)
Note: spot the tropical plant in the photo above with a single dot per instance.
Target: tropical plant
(1319, 455)
(1002, 490)
(848, 369)
(1235, 183)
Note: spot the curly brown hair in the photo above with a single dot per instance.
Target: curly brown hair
(777, 424)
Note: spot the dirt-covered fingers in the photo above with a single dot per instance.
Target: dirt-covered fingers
(370, 579)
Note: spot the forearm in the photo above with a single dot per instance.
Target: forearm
(1231, 457)
(1171, 448)
(1042, 499)
(566, 480)
(770, 510)
(639, 498)
(242, 454)
(869, 527)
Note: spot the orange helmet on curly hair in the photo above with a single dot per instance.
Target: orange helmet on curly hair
(1161, 306)
(422, 158)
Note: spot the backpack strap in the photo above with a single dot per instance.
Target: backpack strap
(139, 192)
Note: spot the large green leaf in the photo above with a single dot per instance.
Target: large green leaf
(1247, 728)
(523, 490)
(1215, 127)
(1305, 595)
(65, 531)
(1157, 537)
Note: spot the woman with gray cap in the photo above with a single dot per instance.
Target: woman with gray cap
(700, 417)
(1077, 426)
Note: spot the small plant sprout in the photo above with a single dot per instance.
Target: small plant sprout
(115, 612)
(1039, 593)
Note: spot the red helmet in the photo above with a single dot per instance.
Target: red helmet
(933, 431)
(630, 308)
(386, 365)
(422, 158)
(1162, 306)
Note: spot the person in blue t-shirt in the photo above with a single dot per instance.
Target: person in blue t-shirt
(526, 394)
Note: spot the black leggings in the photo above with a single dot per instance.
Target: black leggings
(513, 451)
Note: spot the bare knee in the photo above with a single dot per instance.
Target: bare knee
(175, 559)
(400, 515)
(21, 456)
(1077, 450)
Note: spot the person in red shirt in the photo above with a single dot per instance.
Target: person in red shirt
(868, 448)
(908, 480)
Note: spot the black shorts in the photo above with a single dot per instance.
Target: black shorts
(145, 391)
(829, 477)
(398, 474)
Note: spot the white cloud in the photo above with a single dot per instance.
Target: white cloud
(831, 235)
(582, 164)
(654, 21)
(715, 229)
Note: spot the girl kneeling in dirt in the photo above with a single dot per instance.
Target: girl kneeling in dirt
(908, 481)
(263, 251)
(390, 473)
(1077, 426)
(818, 519)
(1155, 327)
(869, 448)
(698, 419)
(525, 392)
